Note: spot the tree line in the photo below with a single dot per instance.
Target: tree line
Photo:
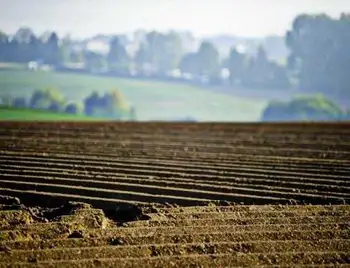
(110, 105)
(319, 59)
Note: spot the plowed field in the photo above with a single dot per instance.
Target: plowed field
(187, 164)
(206, 236)
(175, 194)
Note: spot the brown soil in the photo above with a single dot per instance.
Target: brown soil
(174, 195)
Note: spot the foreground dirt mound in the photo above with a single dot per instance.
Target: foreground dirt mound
(77, 235)
(106, 164)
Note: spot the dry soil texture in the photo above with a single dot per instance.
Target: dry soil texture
(174, 195)
(186, 164)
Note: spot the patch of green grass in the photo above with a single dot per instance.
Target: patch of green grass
(153, 100)
(16, 114)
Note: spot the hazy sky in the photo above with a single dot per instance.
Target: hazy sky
(203, 17)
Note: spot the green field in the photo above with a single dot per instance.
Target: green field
(153, 100)
(14, 114)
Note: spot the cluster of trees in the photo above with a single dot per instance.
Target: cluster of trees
(158, 54)
(319, 53)
(24, 46)
(305, 109)
(112, 105)
(319, 59)
(256, 72)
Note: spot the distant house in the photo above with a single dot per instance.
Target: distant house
(33, 65)
(224, 73)
(175, 73)
(38, 65)
(225, 76)
(97, 46)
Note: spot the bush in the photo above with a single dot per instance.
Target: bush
(111, 105)
(303, 109)
(73, 108)
(275, 111)
(54, 107)
(90, 103)
(47, 99)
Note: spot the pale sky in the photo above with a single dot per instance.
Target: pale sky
(84, 18)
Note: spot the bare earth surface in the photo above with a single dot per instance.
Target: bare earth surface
(174, 195)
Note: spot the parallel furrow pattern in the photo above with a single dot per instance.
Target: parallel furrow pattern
(187, 164)
(206, 236)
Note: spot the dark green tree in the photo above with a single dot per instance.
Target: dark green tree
(51, 50)
(319, 57)
(19, 102)
(118, 58)
(162, 51)
(91, 102)
(315, 108)
(4, 45)
(141, 56)
(64, 51)
(72, 108)
(49, 98)
(95, 62)
(208, 59)
(77, 56)
(190, 63)
(236, 64)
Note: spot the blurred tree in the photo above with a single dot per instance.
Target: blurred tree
(24, 46)
(91, 102)
(23, 35)
(319, 56)
(260, 72)
(55, 107)
(115, 104)
(65, 51)
(6, 100)
(77, 56)
(73, 108)
(208, 59)
(118, 58)
(141, 56)
(236, 64)
(162, 51)
(95, 62)
(4, 44)
(111, 105)
(19, 102)
(3, 37)
(51, 50)
(48, 98)
(172, 52)
(258, 69)
(35, 47)
(189, 64)
(303, 108)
